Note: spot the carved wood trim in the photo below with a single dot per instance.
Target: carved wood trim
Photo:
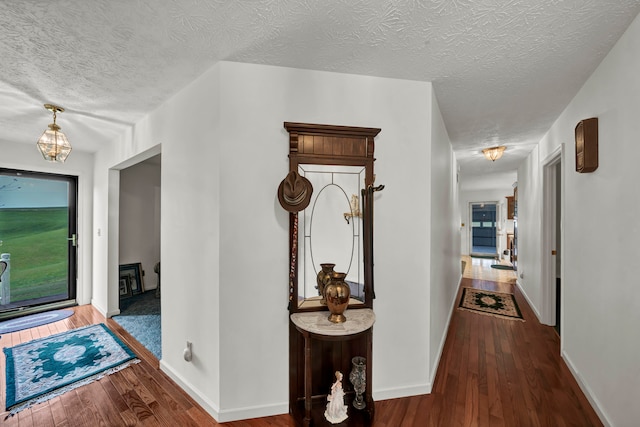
(327, 141)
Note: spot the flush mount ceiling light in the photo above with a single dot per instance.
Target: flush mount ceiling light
(494, 153)
(53, 144)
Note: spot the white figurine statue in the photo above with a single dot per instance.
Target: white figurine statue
(336, 409)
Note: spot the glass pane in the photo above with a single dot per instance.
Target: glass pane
(34, 227)
(327, 231)
(483, 238)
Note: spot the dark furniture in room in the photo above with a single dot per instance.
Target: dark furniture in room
(318, 348)
(511, 207)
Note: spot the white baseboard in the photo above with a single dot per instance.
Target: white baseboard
(253, 412)
(102, 311)
(418, 389)
(208, 406)
(586, 390)
(225, 415)
(110, 314)
(533, 307)
(436, 364)
(583, 386)
(397, 392)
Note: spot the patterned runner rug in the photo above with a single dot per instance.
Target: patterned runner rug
(492, 303)
(33, 320)
(47, 367)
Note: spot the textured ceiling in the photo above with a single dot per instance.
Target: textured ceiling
(503, 70)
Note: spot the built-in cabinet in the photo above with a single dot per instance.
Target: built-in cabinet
(511, 208)
(510, 246)
(338, 222)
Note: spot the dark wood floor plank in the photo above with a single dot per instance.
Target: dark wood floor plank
(504, 395)
(9, 421)
(493, 400)
(411, 413)
(140, 389)
(133, 400)
(72, 407)
(129, 418)
(25, 418)
(151, 421)
(462, 374)
(101, 401)
(115, 398)
(57, 411)
(164, 407)
(42, 416)
(184, 400)
(204, 421)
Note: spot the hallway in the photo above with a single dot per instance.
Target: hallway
(493, 372)
(496, 372)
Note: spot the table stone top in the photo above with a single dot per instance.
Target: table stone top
(317, 322)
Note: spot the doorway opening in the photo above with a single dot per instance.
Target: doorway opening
(551, 239)
(38, 241)
(139, 238)
(483, 240)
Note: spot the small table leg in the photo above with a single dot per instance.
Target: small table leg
(307, 380)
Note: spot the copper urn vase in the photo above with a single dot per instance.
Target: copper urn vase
(337, 294)
(323, 279)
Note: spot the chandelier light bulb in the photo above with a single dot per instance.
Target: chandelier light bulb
(53, 143)
(494, 153)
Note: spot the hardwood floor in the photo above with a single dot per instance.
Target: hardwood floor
(493, 372)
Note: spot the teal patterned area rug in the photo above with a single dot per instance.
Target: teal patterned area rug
(140, 316)
(41, 369)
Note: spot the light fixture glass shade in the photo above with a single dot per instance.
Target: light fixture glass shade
(494, 153)
(53, 144)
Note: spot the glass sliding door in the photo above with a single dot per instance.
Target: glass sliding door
(483, 229)
(38, 238)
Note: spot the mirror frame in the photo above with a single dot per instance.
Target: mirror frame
(317, 144)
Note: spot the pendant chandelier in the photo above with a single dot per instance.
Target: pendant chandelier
(53, 144)
(494, 153)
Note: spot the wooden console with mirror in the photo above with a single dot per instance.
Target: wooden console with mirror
(335, 228)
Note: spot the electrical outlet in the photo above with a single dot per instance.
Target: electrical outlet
(187, 354)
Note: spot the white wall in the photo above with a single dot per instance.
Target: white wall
(256, 101)
(478, 196)
(27, 157)
(225, 237)
(600, 313)
(139, 239)
(530, 231)
(443, 238)
(184, 129)
(238, 179)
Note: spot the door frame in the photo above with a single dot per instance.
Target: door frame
(113, 221)
(41, 304)
(549, 237)
(498, 219)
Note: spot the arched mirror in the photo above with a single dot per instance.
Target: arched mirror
(335, 228)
